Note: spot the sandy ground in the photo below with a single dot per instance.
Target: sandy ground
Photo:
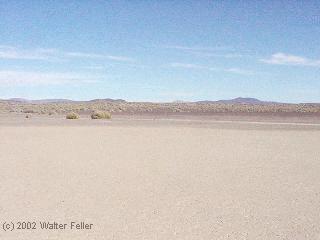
(158, 179)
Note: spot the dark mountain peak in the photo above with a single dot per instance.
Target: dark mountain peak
(240, 100)
(246, 100)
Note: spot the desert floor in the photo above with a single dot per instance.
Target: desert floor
(160, 179)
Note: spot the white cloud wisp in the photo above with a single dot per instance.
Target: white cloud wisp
(287, 59)
(9, 52)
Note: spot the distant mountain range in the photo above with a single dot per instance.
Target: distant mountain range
(108, 100)
(22, 100)
(41, 101)
(239, 100)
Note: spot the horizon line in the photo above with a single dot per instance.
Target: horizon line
(53, 100)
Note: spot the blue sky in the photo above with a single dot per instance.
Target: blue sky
(147, 50)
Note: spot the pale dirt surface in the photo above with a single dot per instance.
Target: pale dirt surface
(158, 179)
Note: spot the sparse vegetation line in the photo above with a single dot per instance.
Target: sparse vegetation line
(103, 109)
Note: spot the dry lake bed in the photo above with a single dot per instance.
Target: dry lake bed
(158, 179)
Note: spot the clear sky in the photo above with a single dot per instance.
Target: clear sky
(160, 50)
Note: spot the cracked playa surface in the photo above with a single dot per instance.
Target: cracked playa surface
(136, 179)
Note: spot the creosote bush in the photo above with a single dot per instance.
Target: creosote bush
(100, 115)
(72, 115)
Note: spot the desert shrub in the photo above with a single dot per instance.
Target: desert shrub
(28, 116)
(72, 115)
(100, 115)
(28, 111)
